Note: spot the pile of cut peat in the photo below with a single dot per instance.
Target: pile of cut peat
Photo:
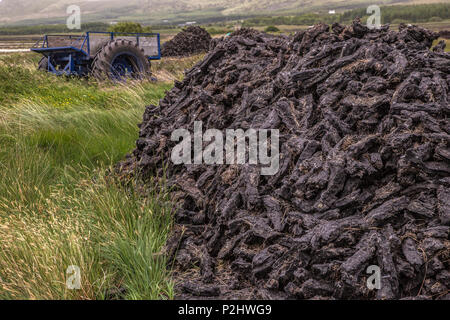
(445, 34)
(364, 173)
(189, 41)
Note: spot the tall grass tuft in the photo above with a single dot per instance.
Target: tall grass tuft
(58, 206)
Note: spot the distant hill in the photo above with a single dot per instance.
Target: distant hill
(14, 12)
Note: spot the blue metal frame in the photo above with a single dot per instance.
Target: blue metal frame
(76, 57)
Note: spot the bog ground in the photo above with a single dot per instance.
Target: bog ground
(58, 139)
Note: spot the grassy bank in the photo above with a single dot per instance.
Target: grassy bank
(58, 139)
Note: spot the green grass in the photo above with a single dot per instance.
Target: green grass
(59, 138)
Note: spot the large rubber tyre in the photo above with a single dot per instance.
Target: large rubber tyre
(97, 48)
(43, 64)
(121, 59)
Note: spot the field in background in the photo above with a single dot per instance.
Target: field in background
(59, 137)
(32, 12)
(309, 13)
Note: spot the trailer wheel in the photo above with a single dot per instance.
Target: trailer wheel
(121, 59)
(98, 47)
(43, 64)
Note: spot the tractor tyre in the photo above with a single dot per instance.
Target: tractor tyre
(98, 47)
(119, 60)
(43, 64)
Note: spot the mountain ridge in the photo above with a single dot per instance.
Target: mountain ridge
(54, 11)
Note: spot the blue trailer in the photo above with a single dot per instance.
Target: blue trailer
(101, 54)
